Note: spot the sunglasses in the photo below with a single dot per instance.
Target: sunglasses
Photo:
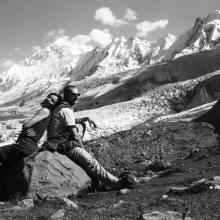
(76, 94)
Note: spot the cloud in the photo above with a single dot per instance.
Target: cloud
(6, 64)
(17, 50)
(130, 15)
(81, 39)
(145, 27)
(35, 49)
(83, 43)
(79, 44)
(102, 37)
(55, 33)
(106, 16)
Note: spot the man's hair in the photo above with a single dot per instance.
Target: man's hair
(59, 98)
(67, 90)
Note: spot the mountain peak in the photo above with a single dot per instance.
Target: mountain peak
(214, 15)
(166, 41)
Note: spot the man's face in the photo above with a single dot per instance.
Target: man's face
(49, 101)
(73, 96)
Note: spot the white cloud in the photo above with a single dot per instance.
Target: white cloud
(78, 44)
(106, 16)
(145, 27)
(17, 50)
(130, 15)
(6, 64)
(81, 39)
(83, 43)
(35, 49)
(55, 33)
(102, 37)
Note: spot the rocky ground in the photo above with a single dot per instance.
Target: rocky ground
(191, 148)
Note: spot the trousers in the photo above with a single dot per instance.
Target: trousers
(91, 166)
(10, 154)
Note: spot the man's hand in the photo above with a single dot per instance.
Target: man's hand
(91, 123)
(85, 119)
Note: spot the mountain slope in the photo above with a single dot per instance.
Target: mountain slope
(142, 80)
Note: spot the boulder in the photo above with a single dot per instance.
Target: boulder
(44, 175)
(158, 166)
(157, 215)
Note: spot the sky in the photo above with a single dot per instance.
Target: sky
(27, 25)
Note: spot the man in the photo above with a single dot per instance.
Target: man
(63, 137)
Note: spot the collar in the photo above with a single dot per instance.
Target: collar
(65, 104)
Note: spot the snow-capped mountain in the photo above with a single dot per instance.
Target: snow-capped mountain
(54, 61)
(57, 63)
(204, 35)
(157, 53)
(123, 54)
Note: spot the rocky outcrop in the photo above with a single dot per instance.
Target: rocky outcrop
(212, 117)
(44, 175)
(206, 91)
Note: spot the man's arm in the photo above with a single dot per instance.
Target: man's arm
(74, 135)
(70, 122)
(40, 115)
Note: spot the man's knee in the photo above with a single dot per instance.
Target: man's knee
(80, 152)
(81, 156)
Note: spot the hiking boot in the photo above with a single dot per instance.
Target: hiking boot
(127, 180)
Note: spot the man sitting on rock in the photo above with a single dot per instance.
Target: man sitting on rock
(64, 138)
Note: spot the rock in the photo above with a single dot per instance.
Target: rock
(100, 210)
(195, 187)
(45, 175)
(119, 203)
(172, 201)
(178, 190)
(58, 215)
(144, 179)
(149, 173)
(168, 172)
(26, 203)
(70, 203)
(216, 179)
(158, 166)
(124, 191)
(16, 208)
(168, 215)
(164, 196)
(200, 186)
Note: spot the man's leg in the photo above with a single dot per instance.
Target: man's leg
(92, 167)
